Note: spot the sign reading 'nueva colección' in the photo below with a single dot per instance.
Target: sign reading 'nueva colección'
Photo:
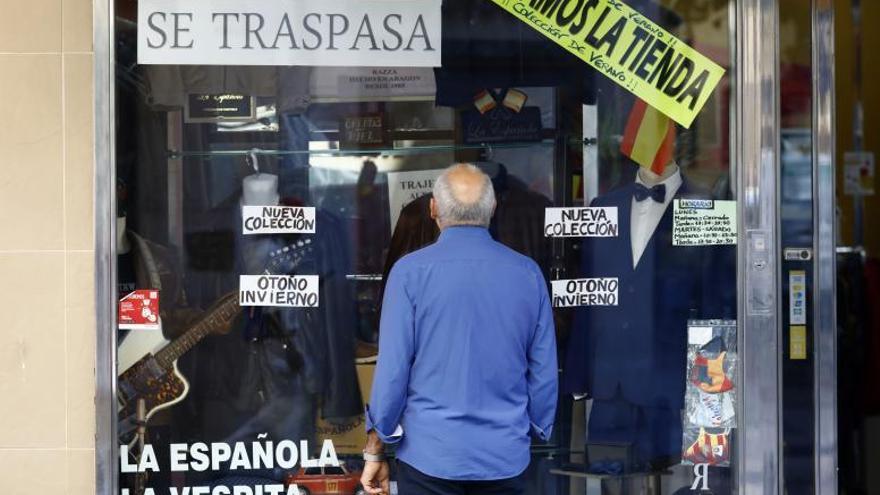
(307, 32)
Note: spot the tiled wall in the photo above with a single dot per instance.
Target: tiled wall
(47, 327)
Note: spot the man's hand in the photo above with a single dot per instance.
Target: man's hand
(376, 478)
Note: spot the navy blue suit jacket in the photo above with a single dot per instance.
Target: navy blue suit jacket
(637, 350)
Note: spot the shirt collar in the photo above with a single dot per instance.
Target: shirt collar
(464, 232)
(672, 183)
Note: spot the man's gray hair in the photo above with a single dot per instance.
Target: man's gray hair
(453, 211)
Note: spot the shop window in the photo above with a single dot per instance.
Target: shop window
(261, 208)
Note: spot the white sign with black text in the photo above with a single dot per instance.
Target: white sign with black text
(581, 222)
(404, 187)
(584, 292)
(703, 222)
(286, 291)
(306, 32)
(277, 220)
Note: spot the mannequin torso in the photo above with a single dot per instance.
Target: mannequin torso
(260, 190)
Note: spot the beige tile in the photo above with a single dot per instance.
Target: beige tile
(28, 472)
(32, 382)
(81, 280)
(80, 375)
(81, 472)
(80, 371)
(31, 27)
(30, 152)
(79, 151)
(76, 19)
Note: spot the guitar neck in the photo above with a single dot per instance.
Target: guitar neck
(284, 260)
(207, 325)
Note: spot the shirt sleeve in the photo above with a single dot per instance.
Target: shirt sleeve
(543, 370)
(396, 352)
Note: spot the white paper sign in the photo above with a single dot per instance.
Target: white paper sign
(277, 220)
(584, 292)
(797, 297)
(305, 32)
(404, 187)
(858, 173)
(286, 291)
(372, 83)
(698, 335)
(581, 222)
(703, 222)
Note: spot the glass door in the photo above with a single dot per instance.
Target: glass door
(809, 329)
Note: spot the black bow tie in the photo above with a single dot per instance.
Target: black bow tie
(657, 193)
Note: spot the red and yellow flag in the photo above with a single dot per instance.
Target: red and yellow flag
(649, 137)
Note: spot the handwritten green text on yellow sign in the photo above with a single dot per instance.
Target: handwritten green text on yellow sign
(629, 48)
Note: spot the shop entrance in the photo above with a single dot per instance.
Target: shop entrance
(829, 124)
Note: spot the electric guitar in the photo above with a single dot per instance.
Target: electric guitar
(154, 376)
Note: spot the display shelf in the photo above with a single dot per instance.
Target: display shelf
(368, 277)
(576, 472)
(435, 148)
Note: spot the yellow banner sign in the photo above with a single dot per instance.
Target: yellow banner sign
(629, 48)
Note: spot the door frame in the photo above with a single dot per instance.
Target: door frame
(757, 153)
(824, 292)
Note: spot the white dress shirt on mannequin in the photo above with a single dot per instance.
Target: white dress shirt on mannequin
(646, 214)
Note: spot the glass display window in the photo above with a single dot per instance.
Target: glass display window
(261, 207)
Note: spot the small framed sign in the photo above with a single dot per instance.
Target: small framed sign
(227, 107)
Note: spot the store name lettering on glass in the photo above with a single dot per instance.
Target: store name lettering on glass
(240, 456)
(503, 125)
(368, 130)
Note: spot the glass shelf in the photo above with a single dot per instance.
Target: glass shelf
(435, 148)
(364, 277)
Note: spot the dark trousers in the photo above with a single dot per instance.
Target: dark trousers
(411, 481)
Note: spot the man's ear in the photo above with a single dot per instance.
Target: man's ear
(433, 208)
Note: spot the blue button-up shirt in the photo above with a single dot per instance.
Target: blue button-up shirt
(467, 359)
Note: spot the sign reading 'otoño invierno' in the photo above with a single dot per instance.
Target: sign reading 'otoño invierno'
(629, 48)
(306, 32)
(286, 291)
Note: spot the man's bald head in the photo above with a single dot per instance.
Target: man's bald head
(463, 195)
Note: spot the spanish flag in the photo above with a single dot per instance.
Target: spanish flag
(484, 101)
(649, 137)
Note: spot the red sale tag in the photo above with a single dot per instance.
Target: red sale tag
(139, 310)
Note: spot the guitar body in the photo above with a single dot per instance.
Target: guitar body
(136, 345)
(147, 380)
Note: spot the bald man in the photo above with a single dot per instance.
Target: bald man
(467, 356)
